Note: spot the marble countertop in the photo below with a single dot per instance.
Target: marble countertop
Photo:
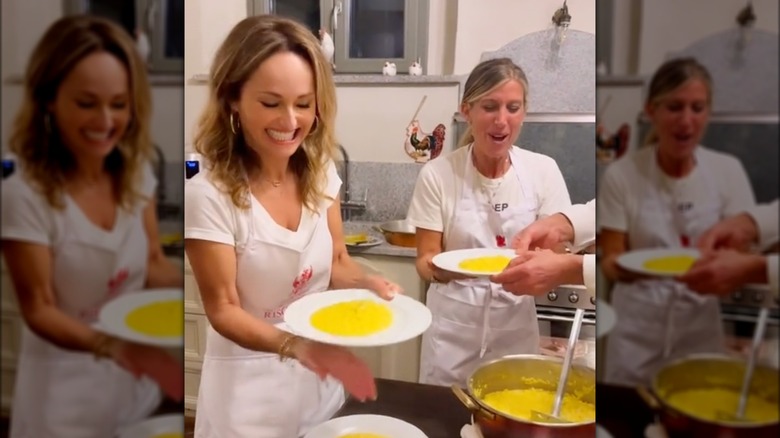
(386, 249)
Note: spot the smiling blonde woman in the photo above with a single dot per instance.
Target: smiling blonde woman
(263, 229)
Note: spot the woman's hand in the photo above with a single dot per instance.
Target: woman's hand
(382, 286)
(153, 362)
(342, 364)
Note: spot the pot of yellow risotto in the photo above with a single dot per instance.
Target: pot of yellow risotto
(696, 396)
(502, 393)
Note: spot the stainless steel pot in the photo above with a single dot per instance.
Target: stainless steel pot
(399, 233)
(703, 372)
(519, 372)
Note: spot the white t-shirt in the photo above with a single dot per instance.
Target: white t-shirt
(28, 217)
(209, 213)
(439, 185)
(625, 182)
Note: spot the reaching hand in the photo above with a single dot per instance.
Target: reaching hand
(382, 286)
(736, 232)
(723, 272)
(153, 362)
(538, 272)
(546, 233)
(324, 360)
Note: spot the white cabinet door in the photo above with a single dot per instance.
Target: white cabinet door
(400, 361)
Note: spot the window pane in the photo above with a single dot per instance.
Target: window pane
(304, 11)
(376, 29)
(121, 12)
(174, 29)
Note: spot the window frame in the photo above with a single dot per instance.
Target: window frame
(416, 23)
(159, 64)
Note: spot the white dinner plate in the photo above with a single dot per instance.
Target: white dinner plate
(410, 318)
(605, 318)
(113, 316)
(450, 260)
(635, 260)
(156, 426)
(370, 242)
(378, 424)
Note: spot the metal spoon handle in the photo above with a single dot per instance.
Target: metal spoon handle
(567, 358)
(758, 336)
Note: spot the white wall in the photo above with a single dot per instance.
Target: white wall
(23, 23)
(486, 25)
(671, 25)
(665, 26)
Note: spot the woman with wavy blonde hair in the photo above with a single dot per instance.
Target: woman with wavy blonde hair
(262, 229)
(79, 229)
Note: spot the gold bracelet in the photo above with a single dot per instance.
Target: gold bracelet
(287, 344)
(102, 347)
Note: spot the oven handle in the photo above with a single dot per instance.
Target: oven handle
(544, 317)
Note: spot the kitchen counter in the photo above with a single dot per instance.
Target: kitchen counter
(356, 227)
(433, 409)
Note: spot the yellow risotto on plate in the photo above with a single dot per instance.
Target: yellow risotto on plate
(353, 318)
(487, 264)
(670, 265)
(161, 319)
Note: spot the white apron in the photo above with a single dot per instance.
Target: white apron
(66, 394)
(245, 393)
(475, 320)
(661, 320)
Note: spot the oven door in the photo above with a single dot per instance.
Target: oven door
(555, 324)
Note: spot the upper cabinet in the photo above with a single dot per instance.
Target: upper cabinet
(366, 33)
(156, 25)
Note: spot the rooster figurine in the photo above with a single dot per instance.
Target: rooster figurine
(328, 47)
(423, 147)
(610, 147)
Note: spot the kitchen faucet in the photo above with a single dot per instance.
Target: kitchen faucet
(165, 210)
(347, 205)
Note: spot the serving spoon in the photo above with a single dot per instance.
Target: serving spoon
(567, 359)
(758, 336)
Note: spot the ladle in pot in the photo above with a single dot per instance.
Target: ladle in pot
(567, 358)
(758, 336)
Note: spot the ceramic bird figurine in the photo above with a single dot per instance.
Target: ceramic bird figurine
(328, 47)
(142, 44)
(415, 69)
(389, 69)
(424, 147)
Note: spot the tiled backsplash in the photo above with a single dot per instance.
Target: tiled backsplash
(388, 188)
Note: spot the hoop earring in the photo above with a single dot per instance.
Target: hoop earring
(315, 126)
(235, 125)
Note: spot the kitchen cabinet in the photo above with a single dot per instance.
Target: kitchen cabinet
(11, 331)
(397, 362)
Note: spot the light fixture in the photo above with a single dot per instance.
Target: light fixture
(745, 19)
(561, 19)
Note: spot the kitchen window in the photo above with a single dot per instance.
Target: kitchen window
(160, 20)
(366, 33)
